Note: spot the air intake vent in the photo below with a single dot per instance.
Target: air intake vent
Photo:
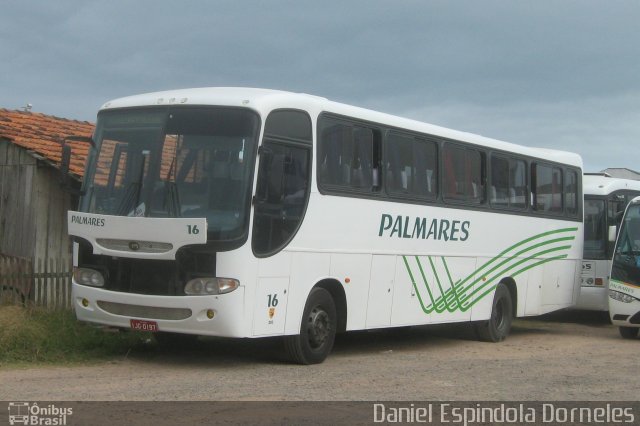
(134, 246)
(149, 312)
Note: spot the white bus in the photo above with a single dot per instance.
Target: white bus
(251, 213)
(605, 199)
(624, 288)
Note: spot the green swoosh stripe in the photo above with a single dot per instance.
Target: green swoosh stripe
(459, 296)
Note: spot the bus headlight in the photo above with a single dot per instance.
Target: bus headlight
(621, 297)
(207, 286)
(90, 277)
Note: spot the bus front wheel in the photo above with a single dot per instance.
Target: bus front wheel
(497, 328)
(629, 332)
(317, 330)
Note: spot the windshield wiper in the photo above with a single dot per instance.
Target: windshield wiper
(133, 190)
(172, 199)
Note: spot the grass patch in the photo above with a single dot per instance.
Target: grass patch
(37, 335)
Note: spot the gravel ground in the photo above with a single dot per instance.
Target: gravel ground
(566, 356)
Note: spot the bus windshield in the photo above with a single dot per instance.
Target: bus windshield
(175, 162)
(626, 259)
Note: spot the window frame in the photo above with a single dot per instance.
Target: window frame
(560, 212)
(511, 159)
(376, 158)
(486, 153)
(571, 213)
(464, 201)
(417, 138)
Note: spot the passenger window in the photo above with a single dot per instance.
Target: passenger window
(349, 157)
(508, 183)
(499, 189)
(518, 185)
(463, 174)
(571, 193)
(548, 188)
(410, 166)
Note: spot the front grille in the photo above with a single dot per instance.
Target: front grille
(149, 276)
(635, 319)
(149, 312)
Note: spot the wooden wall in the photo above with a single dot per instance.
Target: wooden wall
(33, 207)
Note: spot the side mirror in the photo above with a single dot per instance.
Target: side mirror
(65, 181)
(612, 234)
(64, 164)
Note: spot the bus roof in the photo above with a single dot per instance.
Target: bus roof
(598, 184)
(265, 100)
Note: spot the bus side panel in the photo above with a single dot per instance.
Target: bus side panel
(591, 296)
(534, 287)
(481, 309)
(381, 290)
(453, 287)
(272, 285)
(557, 291)
(434, 289)
(307, 269)
(270, 308)
(409, 306)
(353, 270)
(551, 285)
(576, 286)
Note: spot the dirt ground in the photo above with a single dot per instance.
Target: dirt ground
(566, 356)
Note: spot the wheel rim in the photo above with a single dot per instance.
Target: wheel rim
(318, 327)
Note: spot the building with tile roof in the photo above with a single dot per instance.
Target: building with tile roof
(33, 205)
(42, 136)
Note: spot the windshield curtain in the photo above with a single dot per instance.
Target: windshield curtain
(175, 162)
(595, 232)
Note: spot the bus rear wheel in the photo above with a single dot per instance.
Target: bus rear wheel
(317, 330)
(629, 332)
(497, 328)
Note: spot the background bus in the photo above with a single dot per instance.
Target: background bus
(624, 290)
(605, 199)
(252, 213)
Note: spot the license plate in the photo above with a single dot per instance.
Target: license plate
(143, 325)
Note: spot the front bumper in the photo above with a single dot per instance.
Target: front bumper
(177, 314)
(625, 314)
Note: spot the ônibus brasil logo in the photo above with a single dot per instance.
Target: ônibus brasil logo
(26, 413)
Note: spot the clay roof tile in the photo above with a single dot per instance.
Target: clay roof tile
(43, 135)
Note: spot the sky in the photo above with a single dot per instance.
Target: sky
(562, 74)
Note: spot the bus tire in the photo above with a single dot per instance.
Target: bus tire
(629, 332)
(497, 328)
(317, 330)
